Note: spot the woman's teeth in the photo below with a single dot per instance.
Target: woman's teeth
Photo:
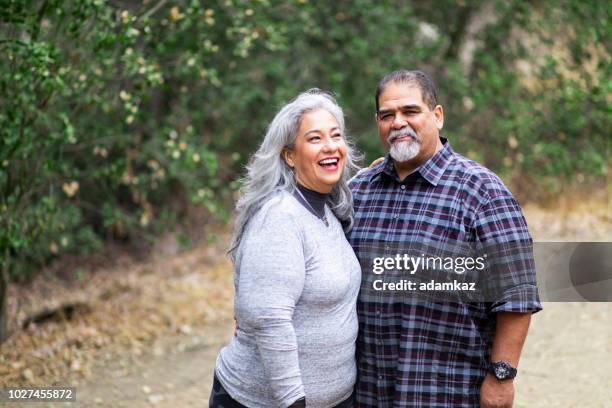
(328, 162)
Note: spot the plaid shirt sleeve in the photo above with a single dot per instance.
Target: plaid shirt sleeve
(501, 227)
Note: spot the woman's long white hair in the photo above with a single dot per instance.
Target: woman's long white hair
(268, 174)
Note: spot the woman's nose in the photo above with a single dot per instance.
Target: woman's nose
(330, 145)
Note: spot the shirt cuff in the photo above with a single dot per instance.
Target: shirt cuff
(523, 299)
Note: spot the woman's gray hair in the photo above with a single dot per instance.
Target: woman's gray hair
(268, 173)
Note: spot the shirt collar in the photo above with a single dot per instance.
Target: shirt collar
(432, 170)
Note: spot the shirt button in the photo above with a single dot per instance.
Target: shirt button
(396, 216)
(380, 377)
(378, 313)
(403, 187)
(380, 342)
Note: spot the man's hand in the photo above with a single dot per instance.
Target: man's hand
(495, 393)
(375, 162)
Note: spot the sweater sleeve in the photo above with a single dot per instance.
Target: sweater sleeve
(270, 283)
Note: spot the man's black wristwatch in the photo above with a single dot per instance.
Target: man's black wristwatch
(502, 370)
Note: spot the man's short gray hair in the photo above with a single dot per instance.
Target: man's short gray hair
(417, 78)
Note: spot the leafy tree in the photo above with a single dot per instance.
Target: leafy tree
(115, 114)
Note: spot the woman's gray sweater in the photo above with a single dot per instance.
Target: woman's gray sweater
(296, 284)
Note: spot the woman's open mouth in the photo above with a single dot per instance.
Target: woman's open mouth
(330, 164)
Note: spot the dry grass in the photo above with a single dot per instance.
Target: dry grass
(127, 310)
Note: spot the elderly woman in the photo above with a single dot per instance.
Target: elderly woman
(296, 276)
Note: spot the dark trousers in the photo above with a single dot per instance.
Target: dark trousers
(219, 398)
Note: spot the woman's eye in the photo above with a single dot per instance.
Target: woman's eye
(337, 136)
(315, 139)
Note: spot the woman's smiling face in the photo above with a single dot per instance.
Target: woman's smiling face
(319, 152)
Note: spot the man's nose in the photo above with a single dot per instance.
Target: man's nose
(399, 121)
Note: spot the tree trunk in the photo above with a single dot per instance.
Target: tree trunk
(4, 282)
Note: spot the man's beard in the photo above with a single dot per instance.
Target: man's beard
(407, 149)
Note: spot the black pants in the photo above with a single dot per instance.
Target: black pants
(219, 398)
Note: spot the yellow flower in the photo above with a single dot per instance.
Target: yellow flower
(70, 188)
(159, 174)
(154, 164)
(175, 14)
(126, 178)
(512, 142)
(144, 219)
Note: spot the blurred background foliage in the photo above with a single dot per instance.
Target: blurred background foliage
(116, 117)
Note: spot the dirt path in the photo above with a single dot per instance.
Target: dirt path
(565, 363)
(181, 378)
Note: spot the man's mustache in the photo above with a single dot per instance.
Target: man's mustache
(397, 133)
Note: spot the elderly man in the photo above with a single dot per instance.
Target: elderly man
(421, 352)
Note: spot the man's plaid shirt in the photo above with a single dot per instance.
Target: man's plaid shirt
(416, 353)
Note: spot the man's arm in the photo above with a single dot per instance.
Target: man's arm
(510, 333)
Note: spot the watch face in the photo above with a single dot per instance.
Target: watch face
(501, 371)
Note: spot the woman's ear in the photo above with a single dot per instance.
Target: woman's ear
(288, 157)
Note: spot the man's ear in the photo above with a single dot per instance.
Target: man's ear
(288, 157)
(439, 116)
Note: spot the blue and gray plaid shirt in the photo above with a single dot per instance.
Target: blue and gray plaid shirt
(420, 353)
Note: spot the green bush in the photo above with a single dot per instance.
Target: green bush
(110, 115)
